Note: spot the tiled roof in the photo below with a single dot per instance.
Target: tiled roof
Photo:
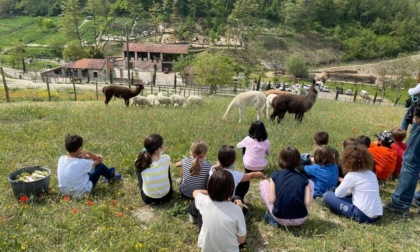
(94, 64)
(158, 48)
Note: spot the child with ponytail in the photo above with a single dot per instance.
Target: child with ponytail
(153, 172)
(195, 169)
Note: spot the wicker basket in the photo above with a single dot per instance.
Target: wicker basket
(36, 188)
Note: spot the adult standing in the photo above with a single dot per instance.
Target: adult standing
(402, 198)
(411, 103)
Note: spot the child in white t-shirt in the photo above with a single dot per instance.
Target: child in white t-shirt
(224, 227)
(74, 170)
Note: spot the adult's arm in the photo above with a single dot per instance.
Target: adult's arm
(415, 90)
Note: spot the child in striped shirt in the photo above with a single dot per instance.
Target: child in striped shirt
(195, 169)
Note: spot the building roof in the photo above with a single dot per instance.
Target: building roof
(93, 64)
(158, 48)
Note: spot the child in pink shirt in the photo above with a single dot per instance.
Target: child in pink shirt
(255, 147)
(399, 146)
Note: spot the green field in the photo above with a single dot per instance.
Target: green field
(32, 133)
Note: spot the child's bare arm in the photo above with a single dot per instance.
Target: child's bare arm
(241, 239)
(252, 175)
(178, 164)
(272, 192)
(308, 197)
(197, 192)
(86, 154)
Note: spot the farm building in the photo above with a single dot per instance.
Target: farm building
(83, 70)
(145, 57)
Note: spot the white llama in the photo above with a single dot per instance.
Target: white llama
(250, 98)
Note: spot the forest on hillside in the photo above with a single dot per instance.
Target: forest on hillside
(361, 29)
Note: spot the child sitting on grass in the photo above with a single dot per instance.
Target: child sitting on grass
(384, 156)
(74, 170)
(288, 193)
(224, 227)
(357, 197)
(399, 136)
(255, 147)
(321, 138)
(195, 169)
(153, 172)
(324, 173)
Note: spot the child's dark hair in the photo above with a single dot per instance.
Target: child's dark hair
(364, 140)
(151, 144)
(289, 158)
(349, 142)
(197, 151)
(398, 134)
(257, 131)
(226, 157)
(356, 159)
(73, 142)
(221, 185)
(323, 155)
(321, 138)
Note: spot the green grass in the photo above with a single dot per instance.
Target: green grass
(11, 23)
(32, 133)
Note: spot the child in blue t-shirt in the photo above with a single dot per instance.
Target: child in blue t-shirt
(288, 193)
(324, 171)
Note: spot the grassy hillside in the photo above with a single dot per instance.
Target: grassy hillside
(114, 218)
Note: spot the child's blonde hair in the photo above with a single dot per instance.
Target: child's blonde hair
(198, 150)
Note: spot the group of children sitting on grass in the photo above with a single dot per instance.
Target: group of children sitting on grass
(348, 185)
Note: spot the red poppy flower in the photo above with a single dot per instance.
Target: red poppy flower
(119, 214)
(23, 198)
(66, 198)
(90, 203)
(355, 131)
(113, 202)
(75, 210)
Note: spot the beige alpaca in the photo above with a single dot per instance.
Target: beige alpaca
(250, 98)
(269, 102)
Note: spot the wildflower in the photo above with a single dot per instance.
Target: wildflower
(66, 198)
(23, 198)
(355, 131)
(22, 247)
(90, 203)
(119, 214)
(75, 210)
(114, 202)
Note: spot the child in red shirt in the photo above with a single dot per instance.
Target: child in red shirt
(399, 135)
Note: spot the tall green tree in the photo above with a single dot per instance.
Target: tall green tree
(212, 69)
(74, 51)
(296, 65)
(17, 55)
(71, 20)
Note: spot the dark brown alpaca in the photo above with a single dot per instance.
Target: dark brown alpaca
(294, 104)
(121, 92)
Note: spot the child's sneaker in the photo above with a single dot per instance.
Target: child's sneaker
(116, 176)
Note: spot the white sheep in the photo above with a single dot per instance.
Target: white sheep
(163, 99)
(153, 99)
(178, 100)
(193, 99)
(140, 100)
(269, 102)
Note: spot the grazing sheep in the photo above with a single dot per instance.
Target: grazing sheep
(269, 103)
(178, 100)
(139, 100)
(152, 99)
(121, 92)
(250, 98)
(163, 99)
(195, 100)
(295, 104)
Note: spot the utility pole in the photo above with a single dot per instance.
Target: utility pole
(128, 57)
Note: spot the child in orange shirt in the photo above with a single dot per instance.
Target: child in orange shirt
(384, 156)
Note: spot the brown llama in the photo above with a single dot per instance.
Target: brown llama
(294, 104)
(121, 92)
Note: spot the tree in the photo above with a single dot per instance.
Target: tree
(74, 51)
(401, 69)
(154, 14)
(297, 66)
(17, 55)
(71, 20)
(212, 69)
